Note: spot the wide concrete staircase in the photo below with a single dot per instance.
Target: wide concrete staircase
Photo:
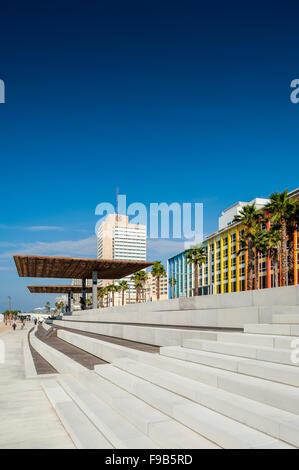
(205, 389)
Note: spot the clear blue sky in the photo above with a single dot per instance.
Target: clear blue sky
(167, 100)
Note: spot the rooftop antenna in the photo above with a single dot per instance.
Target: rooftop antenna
(117, 218)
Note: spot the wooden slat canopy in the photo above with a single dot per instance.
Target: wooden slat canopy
(75, 268)
(57, 289)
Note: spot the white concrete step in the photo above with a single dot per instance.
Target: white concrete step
(288, 318)
(224, 431)
(165, 431)
(274, 394)
(272, 329)
(117, 430)
(143, 334)
(277, 423)
(103, 349)
(265, 370)
(81, 430)
(269, 341)
(262, 353)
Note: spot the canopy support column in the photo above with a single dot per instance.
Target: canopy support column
(83, 294)
(94, 289)
(69, 302)
(70, 298)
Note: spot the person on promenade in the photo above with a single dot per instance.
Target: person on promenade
(82, 303)
(14, 325)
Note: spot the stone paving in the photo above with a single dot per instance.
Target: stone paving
(41, 365)
(79, 355)
(27, 419)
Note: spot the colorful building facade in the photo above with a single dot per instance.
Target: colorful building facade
(225, 270)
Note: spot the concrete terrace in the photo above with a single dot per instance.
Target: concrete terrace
(205, 373)
(27, 419)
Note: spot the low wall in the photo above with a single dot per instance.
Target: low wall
(58, 360)
(148, 335)
(221, 310)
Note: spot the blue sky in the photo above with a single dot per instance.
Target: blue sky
(166, 100)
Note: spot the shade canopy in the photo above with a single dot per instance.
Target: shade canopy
(75, 268)
(57, 289)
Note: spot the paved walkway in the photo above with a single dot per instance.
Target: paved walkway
(27, 420)
(79, 355)
(41, 365)
(4, 327)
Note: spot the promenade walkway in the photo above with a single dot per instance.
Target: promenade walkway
(27, 419)
(4, 327)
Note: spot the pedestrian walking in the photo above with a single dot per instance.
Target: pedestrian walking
(82, 303)
(14, 325)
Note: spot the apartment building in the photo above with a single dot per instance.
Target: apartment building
(117, 239)
(225, 270)
(151, 288)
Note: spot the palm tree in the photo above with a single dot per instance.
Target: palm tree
(113, 288)
(139, 279)
(107, 291)
(259, 242)
(273, 247)
(292, 227)
(117, 288)
(124, 286)
(6, 316)
(101, 294)
(47, 307)
(157, 271)
(172, 282)
(282, 210)
(58, 306)
(196, 255)
(249, 217)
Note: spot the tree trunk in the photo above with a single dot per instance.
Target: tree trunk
(137, 294)
(284, 254)
(195, 279)
(275, 266)
(112, 299)
(158, 287)
(250, 266)
(172, 290)
(123, 297)
(256, 280)
(291, 278)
